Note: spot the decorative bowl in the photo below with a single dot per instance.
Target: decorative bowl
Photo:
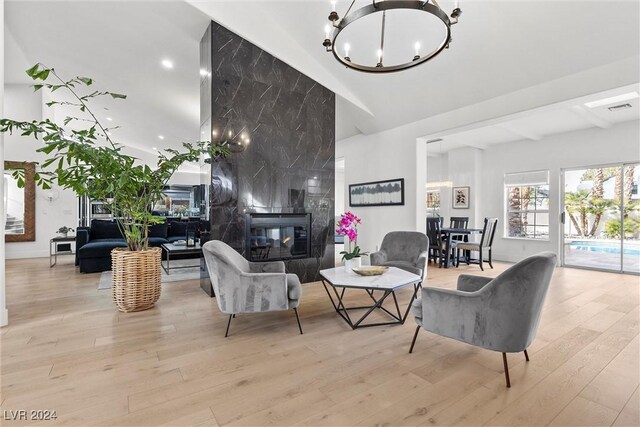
(374, 270)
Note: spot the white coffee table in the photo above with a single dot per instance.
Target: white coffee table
(337, 280)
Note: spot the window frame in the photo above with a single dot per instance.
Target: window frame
(535, 211)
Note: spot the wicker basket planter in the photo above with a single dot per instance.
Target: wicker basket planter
(136, 278)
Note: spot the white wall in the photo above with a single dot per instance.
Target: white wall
(340, 206)
(589, 147)
(22, 103)
(465, 170)
(4, 314)
(385, 155)
(393, 153)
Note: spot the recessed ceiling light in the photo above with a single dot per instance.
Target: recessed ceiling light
(154, 148)
(612, 99)
(315, 177)
(109, 118)
(167, 63)
(160, 136)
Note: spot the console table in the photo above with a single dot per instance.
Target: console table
(53, 248)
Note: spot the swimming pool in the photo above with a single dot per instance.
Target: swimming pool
(630, 248)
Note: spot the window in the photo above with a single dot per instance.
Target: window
(527, 205)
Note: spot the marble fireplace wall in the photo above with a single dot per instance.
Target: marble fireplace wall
(288, 165)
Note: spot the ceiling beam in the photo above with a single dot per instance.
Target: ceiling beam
(519, 132)
(590, 117)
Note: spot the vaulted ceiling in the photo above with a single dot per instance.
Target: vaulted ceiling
(500, 47)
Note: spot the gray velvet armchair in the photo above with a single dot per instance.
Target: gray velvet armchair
(408, 250)
(241, 286)
(500, 314)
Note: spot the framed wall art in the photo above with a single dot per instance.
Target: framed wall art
(460, 197)
(377, 193)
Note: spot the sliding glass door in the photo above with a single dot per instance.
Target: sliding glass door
(630, 218)
(601, 218)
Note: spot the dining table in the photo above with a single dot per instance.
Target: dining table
(448, 234)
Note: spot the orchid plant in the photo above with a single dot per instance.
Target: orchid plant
(348, 226)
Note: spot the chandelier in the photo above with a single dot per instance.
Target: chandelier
(373, 38)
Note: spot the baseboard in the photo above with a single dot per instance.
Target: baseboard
(27, 254)
(4, 317)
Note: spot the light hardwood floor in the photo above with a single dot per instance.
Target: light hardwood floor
(67, 349)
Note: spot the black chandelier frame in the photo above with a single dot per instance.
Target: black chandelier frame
(340, 25)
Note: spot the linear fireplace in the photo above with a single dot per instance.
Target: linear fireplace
(282, 236)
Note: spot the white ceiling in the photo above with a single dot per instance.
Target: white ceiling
(534, 125)
(499, 47)
(121, 46)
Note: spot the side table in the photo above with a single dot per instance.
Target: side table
(53, 248)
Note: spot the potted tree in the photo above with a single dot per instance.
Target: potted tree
(82, 156)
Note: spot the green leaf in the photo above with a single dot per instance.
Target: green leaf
(42, 75)
(33, 71)
(37, 87)
(86, 80)
(117, 95)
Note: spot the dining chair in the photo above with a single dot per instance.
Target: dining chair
(434, 224)
(458, 222)
(485, 244)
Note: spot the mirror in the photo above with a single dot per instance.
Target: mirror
(19, 203)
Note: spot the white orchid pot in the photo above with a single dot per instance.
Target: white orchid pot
(350, 264)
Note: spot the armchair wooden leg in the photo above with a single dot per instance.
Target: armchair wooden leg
(231, 316)
(526, 355)
(298, 319)
(490, 264)
(506, 369)
(414, 339)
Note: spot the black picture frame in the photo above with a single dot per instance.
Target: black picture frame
(365, 194)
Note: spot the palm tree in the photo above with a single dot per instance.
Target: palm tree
(515, 219)
(577, 204)
(628, 182)
(598, 207)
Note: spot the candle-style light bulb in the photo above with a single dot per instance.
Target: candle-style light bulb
(347, 47)
(327, 31)
(456, 4)
(416, 47)
(333, 5)
(379, 53)
(230, 134)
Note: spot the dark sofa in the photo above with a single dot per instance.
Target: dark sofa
(94, 244)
